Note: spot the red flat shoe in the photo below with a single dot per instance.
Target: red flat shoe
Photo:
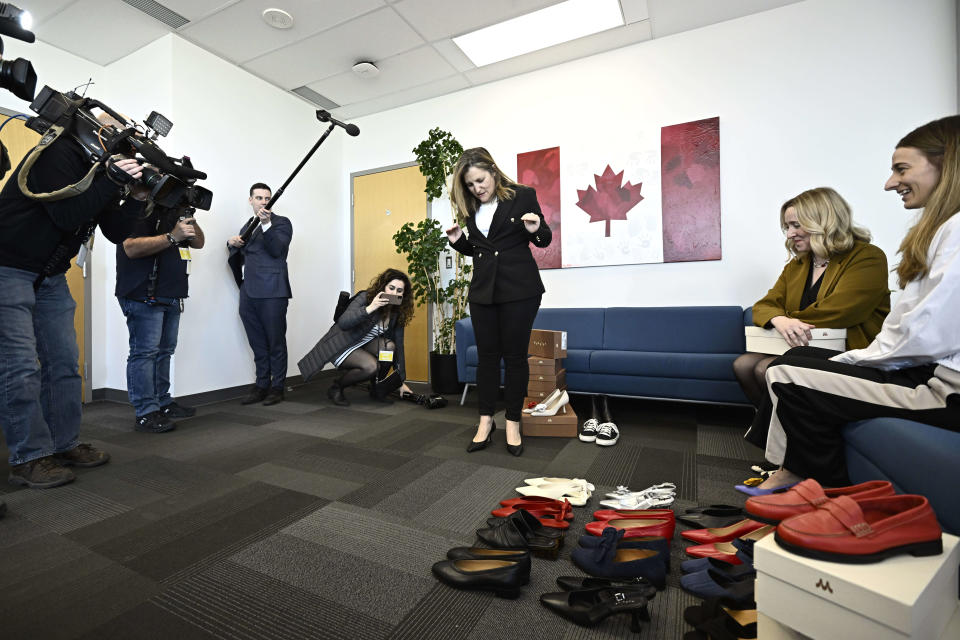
(613, 514)
(563, 512)
(719, 550)
(861, 531)
(635, 527)
(725, 534)
(807, 496)
(533, 502)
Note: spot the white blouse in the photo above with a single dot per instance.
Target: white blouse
(484, 215)
(922, 327)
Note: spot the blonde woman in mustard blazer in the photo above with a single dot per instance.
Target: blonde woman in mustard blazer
(835, 279)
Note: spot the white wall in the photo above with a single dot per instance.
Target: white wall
(814, 93)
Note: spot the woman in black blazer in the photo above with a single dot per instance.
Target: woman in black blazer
(502, 219)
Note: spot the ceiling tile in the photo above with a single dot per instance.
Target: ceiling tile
(454, 55)
(436, 19)
(87, 29)
(408, 96)
(634, 10)
(673, 16)
(196, 9)
(579, 48)
(239, 33)
(42, 9)
(372, 37)
(397, 73)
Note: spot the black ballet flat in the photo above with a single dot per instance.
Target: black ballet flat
(483, 444)
(590, 607)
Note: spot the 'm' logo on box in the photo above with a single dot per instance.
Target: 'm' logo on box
(824, 585)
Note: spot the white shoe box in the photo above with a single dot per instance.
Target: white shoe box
(900, 597)
(760, 340)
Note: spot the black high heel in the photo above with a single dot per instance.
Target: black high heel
(483, 444)
(590, 607)
(335, 393)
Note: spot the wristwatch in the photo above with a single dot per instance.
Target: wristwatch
(171, 238)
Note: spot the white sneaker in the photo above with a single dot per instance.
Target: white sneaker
(589, 431)
(607, 434)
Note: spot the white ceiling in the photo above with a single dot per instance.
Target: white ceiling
(409, 40)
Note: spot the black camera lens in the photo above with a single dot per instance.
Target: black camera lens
(19, 78)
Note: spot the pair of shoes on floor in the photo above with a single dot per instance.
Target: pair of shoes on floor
(616, 556)
(722, 534)
(175, 410)
(716, 620)
(255, 395)
(857, 524)
(733, 550)
(600, 428)
(521, 530)
(658, 495)
(553, 513)
(554, 403)
(42, 473)
(154, 422)
(267, 395)
(589, 601)
(735, 585)
(335, 393)
(636, 527)
(575, 490)
(503, 571)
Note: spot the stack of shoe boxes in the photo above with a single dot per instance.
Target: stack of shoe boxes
(547, 350)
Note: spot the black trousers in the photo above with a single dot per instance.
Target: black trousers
(265, 322)
(503, 332)
(812, 398)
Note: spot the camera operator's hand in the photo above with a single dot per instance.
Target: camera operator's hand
(184, 230)
(378, 302)
(236, 241)
(454, 233)
(126, 165)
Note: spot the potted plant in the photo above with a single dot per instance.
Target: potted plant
(425, 246)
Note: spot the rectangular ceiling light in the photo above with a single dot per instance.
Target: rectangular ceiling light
(558, 23)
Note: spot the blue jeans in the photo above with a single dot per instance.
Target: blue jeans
(153, 339)
(40, 388)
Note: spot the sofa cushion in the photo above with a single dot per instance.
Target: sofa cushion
(674, 329)
(698, 366)
(584, 327)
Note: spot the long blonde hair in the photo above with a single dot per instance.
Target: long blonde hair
(937, 141)
(827, 218)
(465, 204)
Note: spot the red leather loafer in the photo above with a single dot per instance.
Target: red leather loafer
(847, 530)
(705, 536)
(612, 514)
(807, 496)
(635, 527)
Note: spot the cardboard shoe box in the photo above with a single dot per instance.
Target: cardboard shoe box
(760, 340)
(562, 425)
(545, 384)
(548, 344)
(900, 597)
(544, 366)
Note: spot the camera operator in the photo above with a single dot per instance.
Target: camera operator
(40, 403)
(153, 265)
(264, 296)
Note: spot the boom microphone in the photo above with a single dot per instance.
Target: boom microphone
(324, 116)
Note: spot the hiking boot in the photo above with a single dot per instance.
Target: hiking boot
(174, 410)
(154, 422)
(256, 394)
(41, 473)
(275, 396)
(83, 455)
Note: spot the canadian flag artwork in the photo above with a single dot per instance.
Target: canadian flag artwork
(644, 205)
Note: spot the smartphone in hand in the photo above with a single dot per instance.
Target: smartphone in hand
(393, 298)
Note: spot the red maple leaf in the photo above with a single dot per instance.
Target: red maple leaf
(609, 201)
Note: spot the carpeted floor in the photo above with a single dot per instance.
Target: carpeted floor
(306, 520)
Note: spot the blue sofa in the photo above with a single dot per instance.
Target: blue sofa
(685, 353)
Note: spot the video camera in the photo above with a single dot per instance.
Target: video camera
(170, 180)
(16, 76)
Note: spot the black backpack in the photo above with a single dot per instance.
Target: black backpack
(343, 302)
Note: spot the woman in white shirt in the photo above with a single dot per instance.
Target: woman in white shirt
(911, 370)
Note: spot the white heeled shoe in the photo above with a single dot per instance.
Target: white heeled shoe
(638, 502)
(664, 489)
(579, 481)
(577, 496)
(556, 405)
(546, 401)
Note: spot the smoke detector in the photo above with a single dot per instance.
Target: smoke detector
(278, 18)
(366, 69)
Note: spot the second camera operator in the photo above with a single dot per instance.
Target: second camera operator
(40, 407)
(153, 266)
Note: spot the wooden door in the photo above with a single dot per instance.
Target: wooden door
(18, 140)
(382, 203)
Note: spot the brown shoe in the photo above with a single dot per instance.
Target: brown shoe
(41, 473)
(83, 455)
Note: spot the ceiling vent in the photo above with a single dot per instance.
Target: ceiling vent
(310, 95)
(156, 10)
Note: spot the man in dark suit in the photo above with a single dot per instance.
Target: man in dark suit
(264, 295)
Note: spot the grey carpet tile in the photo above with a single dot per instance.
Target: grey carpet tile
(393, 542)
(573, 460)
(723, 442)
(315, 484)
(329, 466)
(467, 504)
(70, 507)
(162, 475)
(419, 494)
(412, 434)
(716, 482)
(442, 614)
(289, 407)
(71, 599)
(379, 488)
(314, 426)
(243, 455)
(347, 452)
(239, 415)
(147, 621)
(15, 529)
(355, 583)
(30, 558)
(188, 441)
(236, 602)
